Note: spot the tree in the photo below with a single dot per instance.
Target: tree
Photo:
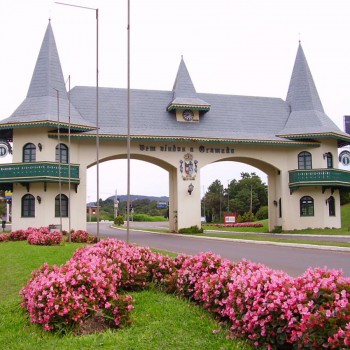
(247, 194)
(214, 201)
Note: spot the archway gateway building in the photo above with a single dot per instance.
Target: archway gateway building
(54, 142)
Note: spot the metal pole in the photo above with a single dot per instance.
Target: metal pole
(59, 156)
(69, 168)
(97, 140)
(97, 119)
(128, 137)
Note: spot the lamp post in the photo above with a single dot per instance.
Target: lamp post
(97, 119)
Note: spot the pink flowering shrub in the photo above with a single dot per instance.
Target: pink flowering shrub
(92, 280)
(270, 308)
(324, 310)
(43, 236)
(240, 224)
(19, 235)
(80, 236)
(4, 237)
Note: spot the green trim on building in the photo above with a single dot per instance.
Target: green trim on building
(39, 172)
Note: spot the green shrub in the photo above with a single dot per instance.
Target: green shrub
(146, 217)
(262, 213)
(119, 220)
(192, 229)
(277, 229)
(246, 217)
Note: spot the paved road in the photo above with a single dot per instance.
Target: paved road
(293, 260)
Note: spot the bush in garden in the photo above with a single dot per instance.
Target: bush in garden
(19, 235)
(192, 229)
(4, 237)
(262, 213)
(80, 236)
(119, 220)
(43, 236)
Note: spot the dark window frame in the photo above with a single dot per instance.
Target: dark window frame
(62, 153)
(307, 206)
(331, 206)
(29, 153)
(64, 206)
(28, 206)
(304, 160)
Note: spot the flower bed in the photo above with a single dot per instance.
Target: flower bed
(47, 236)
(270, 308)
(43, 236)
(240, 224)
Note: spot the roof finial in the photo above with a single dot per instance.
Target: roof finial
(49, 20)
(299, 37)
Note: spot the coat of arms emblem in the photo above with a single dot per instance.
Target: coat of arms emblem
(188, 167)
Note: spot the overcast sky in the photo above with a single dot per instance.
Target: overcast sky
(238, 47)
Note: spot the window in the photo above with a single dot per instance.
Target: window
(62, 153)
(29, 153)
(64, 206)
(331, 206)
(280, 207)
(306, 206)
(304, 160)
(329, 160)
(28, 206)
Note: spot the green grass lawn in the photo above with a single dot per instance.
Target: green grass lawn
(160, 321)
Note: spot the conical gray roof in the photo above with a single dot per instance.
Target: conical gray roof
(47, 99)
(306, 111)
(184, 93)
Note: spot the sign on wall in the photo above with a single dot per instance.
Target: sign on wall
(344, 158)
(5, 148)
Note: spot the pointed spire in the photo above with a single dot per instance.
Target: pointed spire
(302, 93)
(47, 76)
(41, 104)
(183, 86)
(184, 93)
(307, 116)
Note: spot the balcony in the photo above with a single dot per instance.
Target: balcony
(26, 173)
(327, 178)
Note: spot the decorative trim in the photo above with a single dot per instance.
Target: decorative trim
(45, 123)
(191, 139)
(176, 106)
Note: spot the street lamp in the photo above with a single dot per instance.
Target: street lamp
(97, 120)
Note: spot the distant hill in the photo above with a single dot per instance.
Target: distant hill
(133, 197)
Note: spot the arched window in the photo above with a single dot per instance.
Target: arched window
(62, 153)
(329, 160)
(331, 206)
(304, 160)
(63, 203)
(306, 206)
(28, 206)
(29, 153)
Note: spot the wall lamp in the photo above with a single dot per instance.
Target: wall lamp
(325, 155)
(38, 198)
(40, 146)
(275, 203)
(190, 189)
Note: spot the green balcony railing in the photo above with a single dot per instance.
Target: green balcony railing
(39, 172)
(319, 177)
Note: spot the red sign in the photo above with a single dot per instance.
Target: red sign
(230, 218)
